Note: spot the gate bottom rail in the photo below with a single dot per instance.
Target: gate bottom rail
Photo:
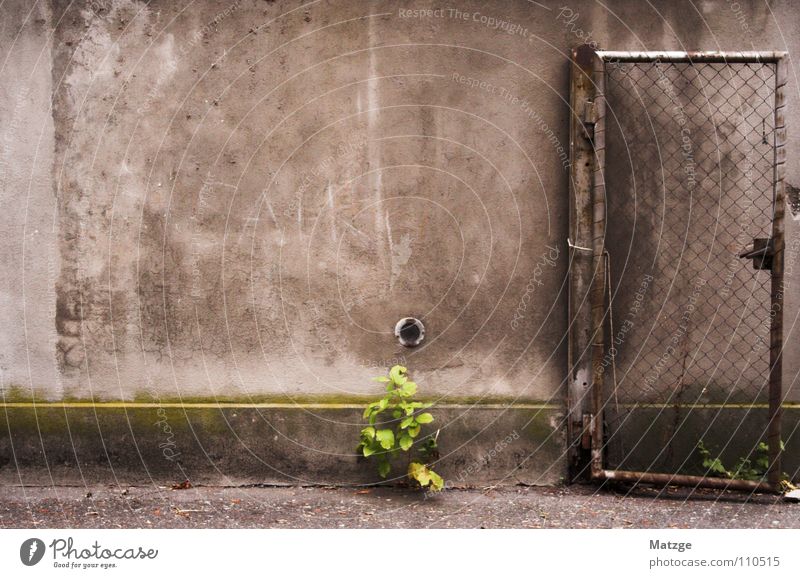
(684, 480)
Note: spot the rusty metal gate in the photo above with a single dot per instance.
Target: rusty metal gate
(677, 266)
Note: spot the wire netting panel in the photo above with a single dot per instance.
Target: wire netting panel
(689, 175)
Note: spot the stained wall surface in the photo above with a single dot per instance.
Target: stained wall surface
(236, 201)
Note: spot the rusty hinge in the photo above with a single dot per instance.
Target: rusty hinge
(586, 434)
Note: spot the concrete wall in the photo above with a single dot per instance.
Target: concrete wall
(210, 201)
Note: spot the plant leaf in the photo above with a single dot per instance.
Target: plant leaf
(407, 422)
(368, 451)
(382, 379)
(406, 442)
(396, 374)
(408, 389)
(424, 418)
(419, 472)
(413, 431)
(437, 483)
(384, 467)
(369, 432)
(386, 438)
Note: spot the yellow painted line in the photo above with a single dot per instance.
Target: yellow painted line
(227, 405)
(705, 406)
(322, 405)
(319, 405)
(153, 405)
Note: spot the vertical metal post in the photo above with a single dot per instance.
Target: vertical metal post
(776, 306)
(579, 356)
(598, 248)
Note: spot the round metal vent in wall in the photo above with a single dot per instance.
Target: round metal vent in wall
(409, 331)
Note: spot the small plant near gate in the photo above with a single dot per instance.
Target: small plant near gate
(713, 466)
(399, 433)
(745, 469)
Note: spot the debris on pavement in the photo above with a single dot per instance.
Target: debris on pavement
(576, 506)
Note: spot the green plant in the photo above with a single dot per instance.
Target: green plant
(400, 432)
(745, 469)
(712, 465)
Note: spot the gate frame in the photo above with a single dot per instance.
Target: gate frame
(587, 313)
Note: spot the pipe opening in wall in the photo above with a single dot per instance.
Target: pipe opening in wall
(410, 331)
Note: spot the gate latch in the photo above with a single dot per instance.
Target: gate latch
(761, 253)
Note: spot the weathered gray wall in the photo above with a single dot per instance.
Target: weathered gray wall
(208, 200)
(249, 208)
(28, 218)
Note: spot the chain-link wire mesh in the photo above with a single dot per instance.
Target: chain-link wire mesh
(689, 175)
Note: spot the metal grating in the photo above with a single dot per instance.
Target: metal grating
(689, 184)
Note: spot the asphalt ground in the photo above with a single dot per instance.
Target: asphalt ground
(575, 506)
